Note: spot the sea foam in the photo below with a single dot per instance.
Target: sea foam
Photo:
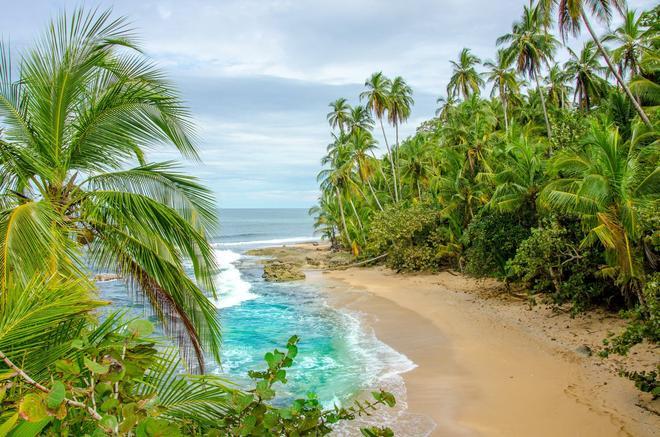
(232, 288)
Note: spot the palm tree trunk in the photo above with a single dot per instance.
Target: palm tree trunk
(506, 121)
(545, 109)
(343, 217)
(373, 193)
(396, 155)
(614, 71)
(382, 173)
(419, 190)
(389, 155)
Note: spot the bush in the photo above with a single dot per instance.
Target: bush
(551, 261)
(414, 237)
(490, 240)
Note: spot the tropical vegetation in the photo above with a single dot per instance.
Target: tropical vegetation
(79, 195)
(540, 173)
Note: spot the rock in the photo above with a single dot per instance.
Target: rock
(277, 271)
(103, 277)
(312, 261)
(584, 350)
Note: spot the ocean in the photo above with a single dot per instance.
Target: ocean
(339, 354)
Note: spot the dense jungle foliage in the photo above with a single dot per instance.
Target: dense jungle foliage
(539, 173)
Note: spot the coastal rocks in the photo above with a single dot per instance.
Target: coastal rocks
(278, 271)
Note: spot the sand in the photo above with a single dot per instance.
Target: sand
(492, 366)
(490, 363)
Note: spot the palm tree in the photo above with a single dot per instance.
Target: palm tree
(377, 96)
(339, 116)
(447, 104)
(606, 185)
(400, 105)
(585, 68)
(416, 163)
(531, 46)
(86, 105)
(572, 13)
(360, 144)
(558, 89)
(503, 79)
(632, 42)
(464, 79)
(359, 119)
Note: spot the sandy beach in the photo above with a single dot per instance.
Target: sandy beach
(486, 368)
(491, 364)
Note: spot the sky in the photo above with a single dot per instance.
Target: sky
(258, 75)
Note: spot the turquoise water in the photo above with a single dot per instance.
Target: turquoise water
(339, 355)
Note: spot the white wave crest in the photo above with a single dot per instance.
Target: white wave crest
(269, 242)
(232, 288)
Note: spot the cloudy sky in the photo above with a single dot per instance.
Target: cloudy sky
(259, 74)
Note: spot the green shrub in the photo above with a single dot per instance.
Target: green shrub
(551, 261)
(415, 238)
(491, 240)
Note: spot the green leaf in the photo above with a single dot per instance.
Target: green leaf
(141, 328)
(95, 367)
(67, 367)
(7, 374)
(56, 395)
(32, 408)
(8, 425)
(108, 422)
(29, 429)
(109, 404)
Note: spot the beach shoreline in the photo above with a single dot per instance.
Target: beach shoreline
(489, 363)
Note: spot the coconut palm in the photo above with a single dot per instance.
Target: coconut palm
(585, 68)
(503, 79)
(558, 88)
(416, 164)
(531, 47)
(571, 15)
(361, 144)
(606, 186)
(632, 42)
(377, 96)
(465, 80)
(400, 105)
(340, 114)
(446, 105)
(359, 119)
(85, 106)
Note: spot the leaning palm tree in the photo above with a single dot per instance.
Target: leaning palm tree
(85, 107)
(377, 96)
(532, 47)
(585, 69)
(503, 79)
(339, 115)
(606, 186)
(465, 80)
(571, 14)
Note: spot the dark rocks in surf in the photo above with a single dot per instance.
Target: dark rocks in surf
(278, 271)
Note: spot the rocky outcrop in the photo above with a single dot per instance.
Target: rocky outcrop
(278, 271)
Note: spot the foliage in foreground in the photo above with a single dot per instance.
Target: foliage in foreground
(63, 373)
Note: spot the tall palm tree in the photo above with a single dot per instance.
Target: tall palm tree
(503, 79)
(400, 107)
(377, 96)
(339, 116)
(632, 42)
(585, 68)
(605, 185)
(532, 47)
(85, 106)
(465, 80)
(571, 14)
